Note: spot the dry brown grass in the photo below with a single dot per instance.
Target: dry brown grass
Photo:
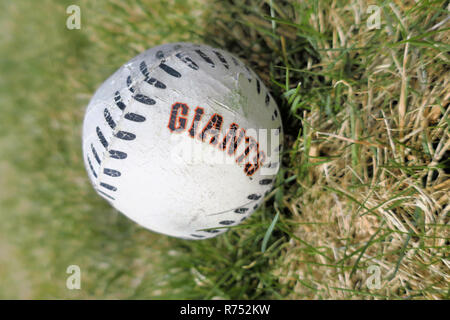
(387, 198)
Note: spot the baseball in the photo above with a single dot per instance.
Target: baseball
(184, 139)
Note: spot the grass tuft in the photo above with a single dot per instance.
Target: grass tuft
(360, 207)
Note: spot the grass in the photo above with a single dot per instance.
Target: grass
(365, 169)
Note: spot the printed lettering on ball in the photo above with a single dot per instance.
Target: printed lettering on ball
(184, 139)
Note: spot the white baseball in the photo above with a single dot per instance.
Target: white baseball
(175, 140)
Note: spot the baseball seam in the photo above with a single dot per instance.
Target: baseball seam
(122, 106)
